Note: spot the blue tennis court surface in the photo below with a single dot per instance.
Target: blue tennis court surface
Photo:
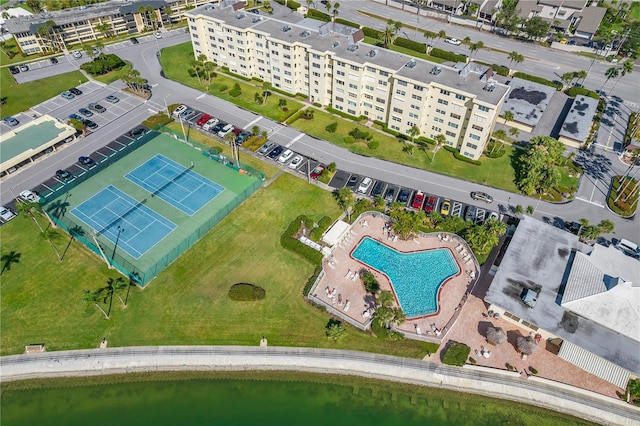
(174, 183)
(140, 227)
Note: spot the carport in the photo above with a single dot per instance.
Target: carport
(335, 234)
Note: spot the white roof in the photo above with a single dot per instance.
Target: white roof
(335, 233)
(594, 364)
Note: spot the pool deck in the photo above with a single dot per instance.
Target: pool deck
(462, 315)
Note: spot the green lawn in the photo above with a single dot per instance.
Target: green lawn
(635, 12)
(175, 63)
(20, 97)
(112, 76)
(187, 303)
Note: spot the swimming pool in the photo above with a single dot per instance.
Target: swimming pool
(415, 277)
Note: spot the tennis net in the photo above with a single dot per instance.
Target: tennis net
(122, 216)
(172, 180)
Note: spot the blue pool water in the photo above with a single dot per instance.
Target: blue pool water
(416, 277)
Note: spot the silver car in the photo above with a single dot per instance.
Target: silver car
(5, 214)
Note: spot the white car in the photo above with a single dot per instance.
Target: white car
(29, 196)
(295, 163)
(176, 112)
(284, 157)
(364, 185)
(5, 214)
(453, 41)
(76, 54)
(209, 124)
(157, 35)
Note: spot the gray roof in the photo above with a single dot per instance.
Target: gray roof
(324, 40)
(527, 100)
(489, 6)
(590, 19)
(542, 257)
(578, 121)
(568, 4)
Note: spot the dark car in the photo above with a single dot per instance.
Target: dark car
(134, 40)
(76, 91)
(97, 107)
(136, 132)
(221, 125)
(276, 152)
(85, 112)
(14, 70)
(353, 180)
(573, 227)
(390, 195)
(470, 213)
(317, 171)
(377, 189)
(403, 197)
(53, 60)
(75, 117)
(11, 121)
(90, 124)
(188, 114)
(86, 161)
(243, 137)
(63, 175)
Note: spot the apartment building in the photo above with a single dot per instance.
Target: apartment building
(54, 31)
(330, 64)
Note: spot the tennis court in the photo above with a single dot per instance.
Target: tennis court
(118, 217)
(177, 185)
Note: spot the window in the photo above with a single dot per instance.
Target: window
(455, 116)
(479, 118)
(340, 64)
(315, 56)
(352, 111)
(416, 107)
(457, 107)
(353, 86)
(382, 82)
(340, 82)
(339, 99)
(453, 125)
(354, 68)
(353, 95)
(315, 65)
(398, 110)
(441, 111)
(381, 109)
(450, 134)
(276, 69)
(443, 102)
(476, 127)
(483, 108)
(474, 136)
(367, 96)
(380, 100)
(402, 83)
(418, 88)
(369, 87)
(461, 97)
(401, 92)
(438, 120)
(384, 73)
(412, 115)
(396, 118)
(416, 97)
(287, 56)
(468, 154)
(287, 73)
(445, 92)
(410, 124)
(371, 69)
(351, 103)
(340, 73)
(367, 105)
(436, 129)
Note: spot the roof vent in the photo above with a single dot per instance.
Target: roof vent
(240, 15)
(286, 29)
(410, 64)
(489, 87)
(209, 7)
(305, 34)
(256, 19)
(352, 48)
(372, 53)
(529, 297)
(336, 43)
(435, 70)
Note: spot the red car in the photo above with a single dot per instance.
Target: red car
(317, 172)
(418, 199)
(203, 119)
(431, 204)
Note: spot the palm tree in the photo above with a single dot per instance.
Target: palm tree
(627, 68)
(282, 103)
(518, 210)
(266, 91)
(516, 57)
(475, 47)
(26, 208)
(51, 235)
(9, 258)
(414, 132)
(508, 117)
(610, 73)
(441, 34)
(104, 28)
(94, 297)
(346, 200)
(334, 12)
(606, 226)
(584, 223)
(580, 75)
(530, 210)
(118, 284)
(74, 232)
(440, 140)
(514, 132)
(387, 36)
(499, 136)
(255, 130)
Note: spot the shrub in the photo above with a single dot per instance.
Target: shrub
(331, 128)
(312, 279)
(574, 91)
(293, 5)
(495, 149)
(349, 139)
(498, 69)
(158, 120)
(244, 292)
(288, 241)
(461, 157)
(320, 16)
(430, 34)
(411, 45)
(374, 144)
(370, 32)
(370, 282)
(223, 88)
(557, 84)
(446, 55)
(347, 23)
(235, 92)
(323, 225)
(456, 354)
(533, 370)
(103, 64)
(473, 360)
(344, 114)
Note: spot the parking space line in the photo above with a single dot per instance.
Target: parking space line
(253, 122)
(294, 140)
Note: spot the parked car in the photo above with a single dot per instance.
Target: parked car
(90, 124)
(85, 112)
(266, 147)
(482, 196)
(390, 195)
(209, 124)
(317, 171)
(97, 107)
(353, 180)
(225, 130)
(86, 161)
(24, 67)
(188, 114)
(418, 199)
(364, 185)
(445, 208)
(67, 95)
(219, 126)
(14, 70)
(203, 119)
(29, 196)
(493, 215)
(76, 54)
(470, 213)
(75, 116)
(295, 163)
(157, 34)
(11, 121)
(96, 51)
(377, 189)
(136, 132)
(64, 175)
(431, 204)
(76, 91)
(243, 137)
(134, 40)
(453, 41)
(403, 196)
(276, 152)
(112, 99)
(6, 215)
(285, 156)
(53, 60)
(179, 110)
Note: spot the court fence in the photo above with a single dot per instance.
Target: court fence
(210, 152)
(108, 250)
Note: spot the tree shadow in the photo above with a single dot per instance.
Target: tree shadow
(594, 165)
(58, 208)
(8, 259)
(516, 164)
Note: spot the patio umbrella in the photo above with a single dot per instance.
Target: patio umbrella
(526, 345)
(496, 335)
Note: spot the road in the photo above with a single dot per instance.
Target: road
(144, 58)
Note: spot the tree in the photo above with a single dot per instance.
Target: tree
(51, 235)
(537, 168)
(518, 210)
(387, 36)
(370, 282)
(516, 57)
(334, 12)
(335, 329)
(255, 130)
(8, 259)
(580, 75)
(345, 198)
(104, 28)
(134, 81)
(610, 73)
(440, 141)
(88, 50)
(530, 210)
(507, 17)
(514, 132)
(94, 297)
(627, 68)
(26, 208)
(266, 91)
(282, 104)
(584, 223)
(35, 5)
(568, 77)
(414, 132)
(606, 226)
(475, 47)
(406, 222)
(508, 117)
(118, 284)
(74, 232)
(258, 98)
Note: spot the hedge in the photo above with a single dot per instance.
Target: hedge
(456, 354)
(312, 279)
(557, 84)
(344, 114)
(323, 225)
(461, 157)
(290, 243)
(391, 132)
(293, 5)
(410, 44)
(244, 292)
(498, 69)
(320, 16)
(370, 32)
(448, 56)
(574, 91)
(347, 23)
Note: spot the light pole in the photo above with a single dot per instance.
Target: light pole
(120, 231)
(166, 107)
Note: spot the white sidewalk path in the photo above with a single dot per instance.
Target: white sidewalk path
(495, 383)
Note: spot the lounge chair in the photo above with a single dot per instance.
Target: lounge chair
(348, 274)
(459, 248)
(415, 240)
(347, 305)
(355, 276)
(331, 265)
(418, 331)
(468, 262)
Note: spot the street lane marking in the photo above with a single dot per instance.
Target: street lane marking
(253, 122)
(201, 96)
(294, 140)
